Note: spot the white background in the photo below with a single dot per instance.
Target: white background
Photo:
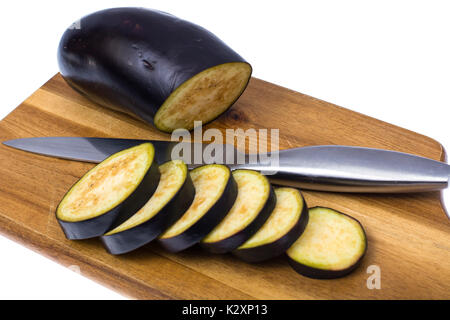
(387, 59)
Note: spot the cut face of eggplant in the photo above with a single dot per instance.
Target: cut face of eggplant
(254, 203)
(203, 97)
(284, 226)
(171, 199)
(215, 193)
(109, 193)
(332, 245)
(152, 65)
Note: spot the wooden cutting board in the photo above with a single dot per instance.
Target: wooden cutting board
(408, 235)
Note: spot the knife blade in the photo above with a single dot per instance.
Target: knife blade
(93, 150)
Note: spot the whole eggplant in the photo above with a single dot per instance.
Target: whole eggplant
(134, 59)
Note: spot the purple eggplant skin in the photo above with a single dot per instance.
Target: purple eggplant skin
(132, 59)
(327, 274)
(278, 247)
(206, 223)
(231, 243)
(97, 226)
(134, 238)
(322, 274)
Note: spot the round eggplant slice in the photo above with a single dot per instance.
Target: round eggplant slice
(171, 199)
(254, 203)
(109, 193)
(284, 226)
(332, 245)
(152, 65)
(215, 194)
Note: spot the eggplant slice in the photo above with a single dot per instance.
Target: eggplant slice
(109, 193)
(153, 66)
(332, 245)
(254, 203)
(171, 199)
(284, 226)
(215, 194)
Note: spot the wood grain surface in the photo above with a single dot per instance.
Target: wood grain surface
(408, 235)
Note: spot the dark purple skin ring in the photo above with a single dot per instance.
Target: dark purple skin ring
(231, 243)
(139, 236)
(278, 247)
(328, 274)
(97, 226)
(206, 223)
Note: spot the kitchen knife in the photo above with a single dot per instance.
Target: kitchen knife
(327, 168)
